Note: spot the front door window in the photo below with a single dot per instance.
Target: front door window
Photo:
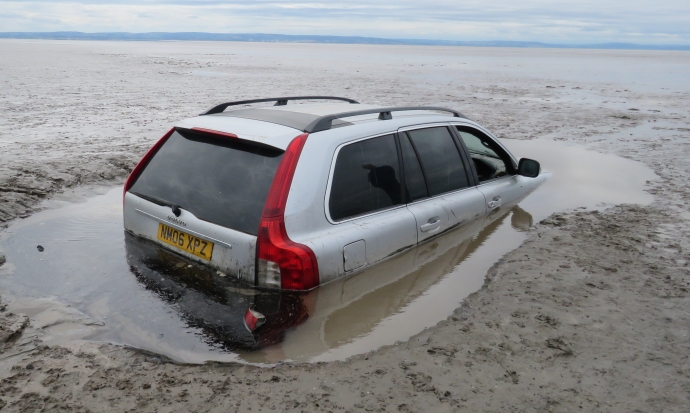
(486, 156)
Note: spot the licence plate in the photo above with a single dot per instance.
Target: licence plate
(189, 243)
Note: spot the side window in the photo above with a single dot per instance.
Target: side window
(414, 177)
(366, 178)
(485, 155)
(441, 161)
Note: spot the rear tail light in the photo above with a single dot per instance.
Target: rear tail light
(295, 262)
(276, 253)
(143, 162)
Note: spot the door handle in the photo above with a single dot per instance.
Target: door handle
(432, 223)
(494, 203)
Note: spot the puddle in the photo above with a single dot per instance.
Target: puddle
(581, 177)
(113, 287)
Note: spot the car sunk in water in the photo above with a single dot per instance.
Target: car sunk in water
(293, 196)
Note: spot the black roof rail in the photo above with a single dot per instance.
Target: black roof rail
(278, 102)
(326, 122)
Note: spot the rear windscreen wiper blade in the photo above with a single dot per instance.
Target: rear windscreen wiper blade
(175, 208)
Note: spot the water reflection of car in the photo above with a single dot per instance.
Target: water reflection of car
(290, 197)
(215, 305)
(353, 307)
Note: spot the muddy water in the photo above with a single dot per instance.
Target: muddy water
(118, 289)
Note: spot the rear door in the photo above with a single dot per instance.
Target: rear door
(364, 203)
(440, 192)
(202, 196)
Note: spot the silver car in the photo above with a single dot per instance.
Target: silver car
(293, 196)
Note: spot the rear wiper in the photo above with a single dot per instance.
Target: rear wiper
(175, 208)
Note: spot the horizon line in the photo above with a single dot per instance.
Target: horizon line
(323, 39)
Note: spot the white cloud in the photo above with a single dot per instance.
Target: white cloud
(585, 21)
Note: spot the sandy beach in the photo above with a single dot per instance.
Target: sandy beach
(589, 313)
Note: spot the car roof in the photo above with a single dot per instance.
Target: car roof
(278, 125)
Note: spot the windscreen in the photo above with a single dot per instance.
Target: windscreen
(220, 180)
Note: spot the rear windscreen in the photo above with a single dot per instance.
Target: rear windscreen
(220, 180)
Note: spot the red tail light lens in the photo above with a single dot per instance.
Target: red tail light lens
(297, 263)
(298, 267)
(143, 162)
(277, 195)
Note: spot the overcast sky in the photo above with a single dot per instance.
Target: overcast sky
(551, 21)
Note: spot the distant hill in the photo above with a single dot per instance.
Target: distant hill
(286, 38)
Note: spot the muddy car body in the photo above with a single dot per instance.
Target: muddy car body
(294, 196)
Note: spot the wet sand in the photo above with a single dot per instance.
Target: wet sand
(589, 313)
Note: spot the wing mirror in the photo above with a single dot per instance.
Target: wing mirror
(529, 168)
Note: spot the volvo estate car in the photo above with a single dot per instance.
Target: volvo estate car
(295, 195)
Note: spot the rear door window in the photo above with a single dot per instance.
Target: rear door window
(443, 167)
(366, 178)
(220, 180)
